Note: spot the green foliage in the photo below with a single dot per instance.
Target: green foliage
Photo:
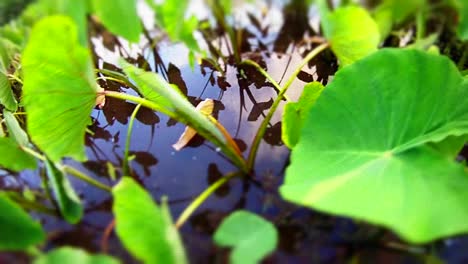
(170, 16)
(59, 88)
(73, 256)
(67, 200)
(7, 51)
(145, 229)
(13, 157)
(120, 17)
(363, 150)
(352, 33)
(17, 230)
(251, 237)
(295, 113)
(392, 12)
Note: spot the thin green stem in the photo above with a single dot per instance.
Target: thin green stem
(420, 25)
(263, 126)
(125, 167)
(106, 78)
(80, 175)
(33, 153)
(266, 75)
(144, 102)
(189, 210)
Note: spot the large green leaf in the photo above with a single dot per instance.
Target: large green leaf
(251, 237)
(363, 149)
(294, 114)
(74, 256)
(145, 229)
(67, 200)
(59, 88)
(13, 157)
(352, 33)
(120, 17)
(17, 230)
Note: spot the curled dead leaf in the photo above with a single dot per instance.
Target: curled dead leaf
(101, 98)
(206, 108)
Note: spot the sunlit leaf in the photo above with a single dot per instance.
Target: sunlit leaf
(352, 33)
(17, 230)
(70, 255)
(120, 17)
(59, 88)
(145, 229)
(14, 129)
(363, 150)
(205, 107)
(251, 237)
(67, 200)
(294, 114)
(13, 157)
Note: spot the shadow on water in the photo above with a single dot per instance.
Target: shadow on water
(241, 103)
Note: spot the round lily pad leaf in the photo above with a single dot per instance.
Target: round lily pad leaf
(251, 237)
(363, 151)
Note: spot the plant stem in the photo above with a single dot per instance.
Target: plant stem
(420, 25)
(125, 168)
(33, 153)
(266, 75)
(261, 131)
(202, 198)
(80, 175)
(144, 102)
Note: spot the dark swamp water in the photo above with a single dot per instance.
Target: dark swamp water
(275, 35)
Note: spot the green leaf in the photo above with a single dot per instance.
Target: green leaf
(13, 157)
(145, 229)
(14, 129)
(74, 256)
(172, 102)
(363, 150)
(59, 88)
(352, 33)
(17, 230)
(393, 12)
(120, 17)
(170, 16)
(7, 98)
(67, 200)
(251, 237)
(294, 114)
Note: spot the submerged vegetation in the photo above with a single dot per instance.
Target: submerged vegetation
(377, 142)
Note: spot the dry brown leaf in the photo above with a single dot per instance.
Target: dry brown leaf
(101, 98)
(205, 107)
